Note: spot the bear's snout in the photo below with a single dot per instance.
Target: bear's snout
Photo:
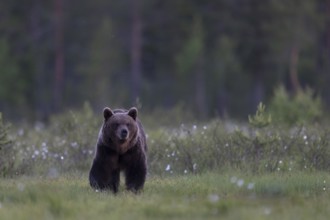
(124, 134)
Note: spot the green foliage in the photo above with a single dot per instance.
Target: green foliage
(161, 117)
(77, 133)
(178, 39)
(220, 145)
(67, 143)
(10, 80)
(303, 107)
(192, 49)
(261, 118)
(6, 155)
(100, 72)
(227, 61)
(3, 134)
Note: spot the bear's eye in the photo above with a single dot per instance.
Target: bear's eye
(115, 125)
(128, 125)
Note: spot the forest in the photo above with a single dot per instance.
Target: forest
(215, 58)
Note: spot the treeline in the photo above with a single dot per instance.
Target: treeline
(216, 57)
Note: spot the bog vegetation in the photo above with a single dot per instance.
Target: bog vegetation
(286, 137)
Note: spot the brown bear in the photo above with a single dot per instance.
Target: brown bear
(121, 146)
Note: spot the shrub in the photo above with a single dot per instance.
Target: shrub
(188, 149)
(166, 117)
(304, 107)
(76, 136)
(66, 144)
(6, 154)
(261, 118)
(256, 147)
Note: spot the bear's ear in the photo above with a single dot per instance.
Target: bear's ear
(107, 113)
(133, 113)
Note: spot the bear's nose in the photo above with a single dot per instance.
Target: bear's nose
(124, 134)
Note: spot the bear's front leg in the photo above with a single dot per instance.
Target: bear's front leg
(104, 175)
(114, 180)
(98, 177)
(135, 175)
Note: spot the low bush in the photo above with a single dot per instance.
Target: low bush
(7, 158)
(67, 144)
(260, 146)
(303, 107)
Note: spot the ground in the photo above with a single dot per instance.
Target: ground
(212, 195)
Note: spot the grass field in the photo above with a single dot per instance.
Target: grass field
(213, 195)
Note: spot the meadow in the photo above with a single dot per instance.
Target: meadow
(217, 169)
(212, 195)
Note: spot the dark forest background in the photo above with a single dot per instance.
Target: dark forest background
(215, 57)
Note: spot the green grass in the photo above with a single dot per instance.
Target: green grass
(211, 195)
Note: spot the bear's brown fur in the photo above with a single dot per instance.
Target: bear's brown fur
(121, 146)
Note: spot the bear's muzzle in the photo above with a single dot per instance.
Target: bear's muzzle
(123, 134)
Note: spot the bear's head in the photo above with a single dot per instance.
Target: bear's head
(120, 128)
